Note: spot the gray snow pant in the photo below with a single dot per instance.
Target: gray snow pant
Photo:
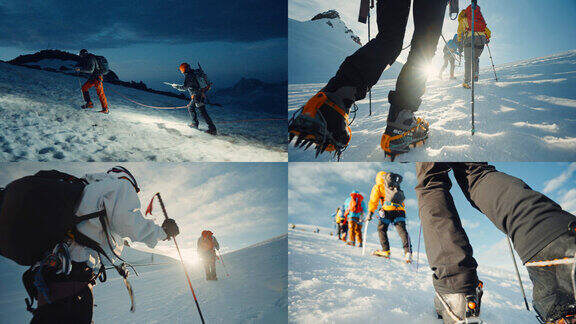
(530, 218)
(398, 217)
(448, 58)
(198, 102)
(479, 42)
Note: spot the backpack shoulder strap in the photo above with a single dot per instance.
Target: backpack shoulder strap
(97, 214)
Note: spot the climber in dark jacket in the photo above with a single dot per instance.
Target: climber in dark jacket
(197, 84)
(96, 66)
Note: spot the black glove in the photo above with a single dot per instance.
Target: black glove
(370, 216)
(169, 226)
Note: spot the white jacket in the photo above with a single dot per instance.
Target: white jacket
(118, 197)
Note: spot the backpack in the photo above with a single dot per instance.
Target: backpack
(479, 22)
(38, 212)
(206, 242)
(356, 203)
(392, 190)
(102, 65)
(201, 78)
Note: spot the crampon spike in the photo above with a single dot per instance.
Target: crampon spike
(290, 137)
(308, 145)
(299, 141)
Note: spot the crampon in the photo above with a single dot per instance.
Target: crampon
(322, 123)
(396, 141)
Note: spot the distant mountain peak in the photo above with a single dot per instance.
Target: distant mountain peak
(333, 14)
(330, 14)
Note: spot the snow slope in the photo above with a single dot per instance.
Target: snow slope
(529, 115)
(317, 48)
(330, 282)
(42, 120)
(255, 292)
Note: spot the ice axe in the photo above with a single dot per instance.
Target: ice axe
(364, 237)
(149, 211)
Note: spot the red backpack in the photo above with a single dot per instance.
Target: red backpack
(479, 22)
(356, 203)
(206, 243)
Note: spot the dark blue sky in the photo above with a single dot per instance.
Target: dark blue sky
(147, 40)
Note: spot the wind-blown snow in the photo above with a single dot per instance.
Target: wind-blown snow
(41, 120)
(528, 115)
(255, 292)
(330, 282)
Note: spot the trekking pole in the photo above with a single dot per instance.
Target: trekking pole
(517, 272)
(449, 50)
(364, 238)
(472, 61)
(418, 253)
(79, 83)
(363, 16)
(223, 265)
(493, 68)
(369, 91)
(181, 260)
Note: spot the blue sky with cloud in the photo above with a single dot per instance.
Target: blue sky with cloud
(147, 40)
(316, 189)
(242, 203)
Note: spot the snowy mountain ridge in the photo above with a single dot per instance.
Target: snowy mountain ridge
(317, 47)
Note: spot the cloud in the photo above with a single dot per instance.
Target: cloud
(568, 201)
(555, 183)
(108, 24)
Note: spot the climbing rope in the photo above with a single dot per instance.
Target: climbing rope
(143, 105)
(182, 107)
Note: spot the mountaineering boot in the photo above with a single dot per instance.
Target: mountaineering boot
(360, 245)
(104, 110)
(323, 121)
(351, 243)
(193, 125)
(87, 105)
(403, 132)
(380, 253)
(408, 257)
(552, 273)
(211, 131)
(459, 307)
(466, 85)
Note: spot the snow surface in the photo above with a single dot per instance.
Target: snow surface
(528, 115)
(255, 292)
(41, 120)
(329, 282)
(316, 49)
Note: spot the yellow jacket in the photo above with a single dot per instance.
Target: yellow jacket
(378, 194)
(339, 217)
(463, 27)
